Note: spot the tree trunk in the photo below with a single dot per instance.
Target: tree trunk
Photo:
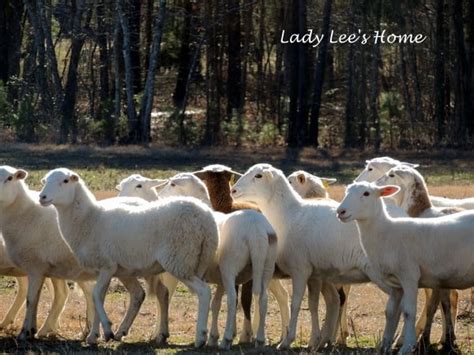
(134, 20)
(374, 90)
(147, 99)
(68, 122)
(234, 69)
(303, 71)
(10, 43)
(184, 57)
(117, 80)
(293, 65)
(439, 88)
(350, 133)
(319, 75)
(213, 119)
(133, 123)
(104, 64)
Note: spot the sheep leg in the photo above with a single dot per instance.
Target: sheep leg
(164, 287)
(261, 305)
(299, 283)
(408, 307)
(246, 301)
(137, 296)
(86, 288)
(343, 329)
(392, 317)
(314, 288)
(282, 297)
(446, 304)
(331, 297)
(100, 290)
(61, 291)
(453, 299)
(19, 301)
(216, 307)
(203, 292)
(228, 280)
(431, 306)
(35, 283)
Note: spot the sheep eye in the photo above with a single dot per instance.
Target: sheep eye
(10, 178)
(172, 184)
(366, 193)
(65, 181)
(258, 176)
(391, 175)
(370, 169)
(139, 186)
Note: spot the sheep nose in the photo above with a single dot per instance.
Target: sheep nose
(234, 191)
(341, 212)
(43, 197)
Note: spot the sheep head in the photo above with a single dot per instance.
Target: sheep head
(59, 187)
(10, 179)
(362, 201)
(377, 167)
(139, 186)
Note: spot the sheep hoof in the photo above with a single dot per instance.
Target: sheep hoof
(407, 348)
(225, 344)
(213, 340)
(161, 339)
(120, 335)
(109, 336)
(284, 345)
(92, 338)
(26, 334)
(259, 344)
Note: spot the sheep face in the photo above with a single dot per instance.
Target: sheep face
(307, 184)
(256, 184)
(9, 183)
(401, 175)
(377, 167)
(360, 201)
(184, 184)
(139, 186)
(59, 187)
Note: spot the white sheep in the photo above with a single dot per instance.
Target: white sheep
(45, 253)
(310, 186)
(313, 247)
(246, 238)
(377, 167)
(178, 235)
(406, 252)
(37, 248)
(139, 186)
(414, 198)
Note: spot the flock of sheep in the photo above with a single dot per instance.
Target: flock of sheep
(198, 229)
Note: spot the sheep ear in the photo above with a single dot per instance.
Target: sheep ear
(117, 187)
(74, 178)
(268, 174)
(21, 174)
(301, 178)
(389, 190)
(159, 185)
(156, 182)
(414, 166)
(328, 181)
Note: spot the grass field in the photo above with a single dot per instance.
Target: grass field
(448, 173)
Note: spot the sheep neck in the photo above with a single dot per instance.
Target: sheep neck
(12, 211)
(221, 200)
(368, 226)
(77, 213)
(416, 200)
(280, 206)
